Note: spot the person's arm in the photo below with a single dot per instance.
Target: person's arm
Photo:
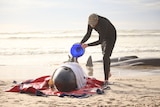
(92, 44)
(95, 43)
(87, 35)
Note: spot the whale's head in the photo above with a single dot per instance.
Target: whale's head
(64, 79)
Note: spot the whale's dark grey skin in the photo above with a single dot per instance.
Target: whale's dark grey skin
(138, 62)
(118, 59)
(64, 79)
(128, 60)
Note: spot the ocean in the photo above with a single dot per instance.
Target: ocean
(53, 47)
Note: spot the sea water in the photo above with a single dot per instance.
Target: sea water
(26, 55)
(54, 46)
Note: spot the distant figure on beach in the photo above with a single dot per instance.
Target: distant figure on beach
(107, 39)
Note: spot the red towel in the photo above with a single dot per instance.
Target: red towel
(40, 87)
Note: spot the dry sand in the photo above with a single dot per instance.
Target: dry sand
(131, 91)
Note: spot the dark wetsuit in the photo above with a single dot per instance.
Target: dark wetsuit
(107, 39)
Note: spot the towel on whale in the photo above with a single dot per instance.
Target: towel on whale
(86, 86)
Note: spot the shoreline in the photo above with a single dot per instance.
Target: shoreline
(33, 71)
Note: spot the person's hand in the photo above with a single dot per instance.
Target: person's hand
(84, 45)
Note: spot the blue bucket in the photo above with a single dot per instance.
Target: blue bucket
(77, 50)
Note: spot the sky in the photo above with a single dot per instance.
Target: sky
(50, 15)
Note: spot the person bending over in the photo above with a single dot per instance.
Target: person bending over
(107, 39)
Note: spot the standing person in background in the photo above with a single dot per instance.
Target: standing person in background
(107, 39)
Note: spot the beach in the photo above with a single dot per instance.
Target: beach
(36, 38)
(129, 89)
(31, 55)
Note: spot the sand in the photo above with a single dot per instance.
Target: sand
(127, 91)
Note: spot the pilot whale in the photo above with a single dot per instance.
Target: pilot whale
(128, 60)
(138, 62)
(68, 76)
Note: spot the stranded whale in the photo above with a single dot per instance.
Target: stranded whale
(128, 60)
(138, 62)
(68, 77)
(64, 79)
